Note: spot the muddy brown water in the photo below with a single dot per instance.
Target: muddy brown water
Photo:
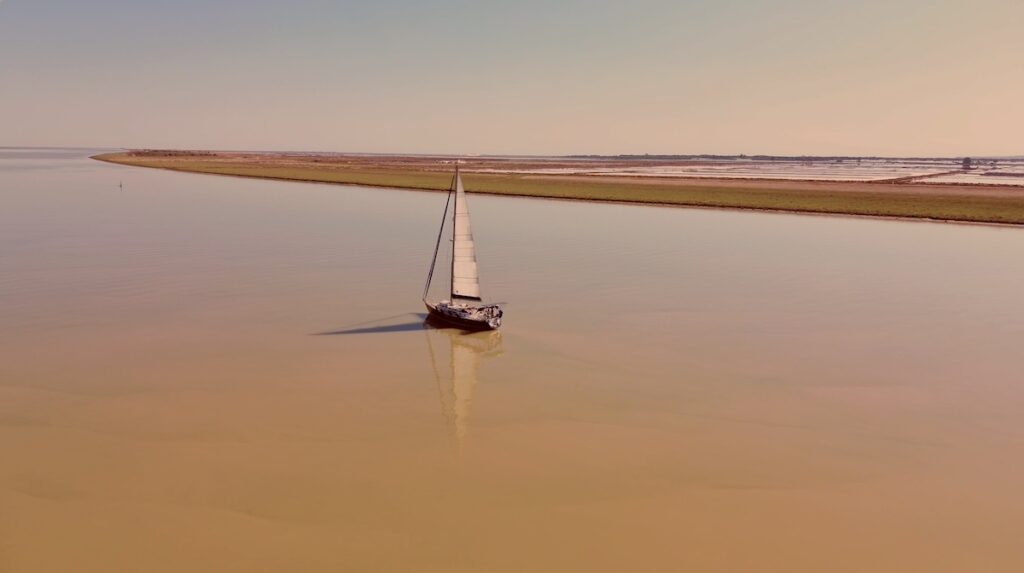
(203, 373)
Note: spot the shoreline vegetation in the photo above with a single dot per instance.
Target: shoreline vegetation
(896, 198)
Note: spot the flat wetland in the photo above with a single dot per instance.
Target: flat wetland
(898, 196)
(233, 374)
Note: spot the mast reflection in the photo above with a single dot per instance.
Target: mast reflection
(456, 356)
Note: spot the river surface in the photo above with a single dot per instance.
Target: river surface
(202, 373)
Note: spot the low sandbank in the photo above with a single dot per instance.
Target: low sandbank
(919, 200)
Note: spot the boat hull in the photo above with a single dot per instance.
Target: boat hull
(443, 315)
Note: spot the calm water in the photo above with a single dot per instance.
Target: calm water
(201, 373)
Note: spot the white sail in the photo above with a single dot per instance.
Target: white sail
(465, 279)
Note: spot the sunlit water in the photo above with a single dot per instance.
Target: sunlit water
(202, 373)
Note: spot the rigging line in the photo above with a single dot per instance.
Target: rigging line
(437, 247)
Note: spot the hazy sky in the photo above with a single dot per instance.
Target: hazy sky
(896, 77)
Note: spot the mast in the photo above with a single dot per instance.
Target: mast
(455, 215)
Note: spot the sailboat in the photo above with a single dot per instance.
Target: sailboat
(465, 307)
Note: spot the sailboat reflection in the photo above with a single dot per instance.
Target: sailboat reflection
(457, 374)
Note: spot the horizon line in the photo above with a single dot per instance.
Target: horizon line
(525, 155)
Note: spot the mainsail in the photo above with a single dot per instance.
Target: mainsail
(465, 280)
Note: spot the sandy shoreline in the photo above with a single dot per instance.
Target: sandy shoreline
(992, 204)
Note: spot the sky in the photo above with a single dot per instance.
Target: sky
(785, 77)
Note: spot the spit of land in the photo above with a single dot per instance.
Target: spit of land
(922, 188)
